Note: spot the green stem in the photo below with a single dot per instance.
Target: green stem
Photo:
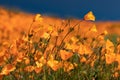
(44, 77)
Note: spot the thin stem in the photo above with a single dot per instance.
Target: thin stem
(30, 28)
(67, 34)
(44, 77)
(55, 44)
(29, 36)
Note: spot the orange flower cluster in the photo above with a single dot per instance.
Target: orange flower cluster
(47, 47)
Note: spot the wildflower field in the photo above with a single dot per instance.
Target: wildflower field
(36, 47)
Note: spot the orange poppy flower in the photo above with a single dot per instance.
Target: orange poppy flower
(7, 69)
(65, 55)
(38, 69)
(38, 18)
(89, 16)
(29, 68)
(54, 64)
(68, 66)
(83, 59)
(110, 58)
(93, 28)
(83, 49)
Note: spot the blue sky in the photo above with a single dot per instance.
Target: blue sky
(103, 9)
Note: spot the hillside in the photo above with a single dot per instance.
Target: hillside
(15, 24)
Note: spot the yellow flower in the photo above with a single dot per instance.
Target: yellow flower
(38, 69)
(110, 58)
(83, 59)
(93, 29)
(54, 64)
(74, 39)
(38, 55)
(38, 18)
(50, 29)
(46, 35)
(29, 68)
(72, 47)
(39, 64)
(89, 16)
(7, 69)
(105, 32)
(68, 66)
(68, 46)
(83, 49)
(42, 60)
(75, 48)
(27, 61)
(65, 55)
(20, 57)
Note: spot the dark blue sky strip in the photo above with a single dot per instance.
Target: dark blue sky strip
(103, 9)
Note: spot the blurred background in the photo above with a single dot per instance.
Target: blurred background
(104, 10)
